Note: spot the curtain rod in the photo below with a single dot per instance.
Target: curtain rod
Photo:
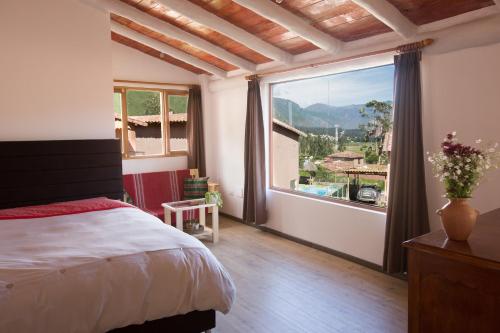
(157, 83)
(401, 49)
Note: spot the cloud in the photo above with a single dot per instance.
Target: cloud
(356, 87)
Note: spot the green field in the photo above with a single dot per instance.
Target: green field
(360, 147)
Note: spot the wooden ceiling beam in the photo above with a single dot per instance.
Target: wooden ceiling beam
(173, 52)
(293, 23)
(212, 21)
(390, 16)
(153, 23)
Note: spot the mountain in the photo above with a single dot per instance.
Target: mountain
(318, 115)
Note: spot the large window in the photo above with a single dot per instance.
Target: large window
(331, 135)
(151, 122)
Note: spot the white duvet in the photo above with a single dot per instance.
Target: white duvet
(96, 271)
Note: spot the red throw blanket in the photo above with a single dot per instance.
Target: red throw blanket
(61, 208)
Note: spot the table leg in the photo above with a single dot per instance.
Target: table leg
(202, 216)
(215, 224)
(168, 217)
(178, 220)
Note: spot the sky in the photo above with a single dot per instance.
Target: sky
(356, 87)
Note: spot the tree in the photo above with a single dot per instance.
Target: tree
(316, 146)
(152, 105)
(380, 114)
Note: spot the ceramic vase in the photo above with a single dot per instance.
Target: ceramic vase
(458, 219)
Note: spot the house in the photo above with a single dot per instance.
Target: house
(145, 131)
(344, 160)
(286, 148)
(98, 93)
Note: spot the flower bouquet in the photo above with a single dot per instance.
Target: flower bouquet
(461, 168)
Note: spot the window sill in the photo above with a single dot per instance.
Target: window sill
(331, 200)
(171, 154)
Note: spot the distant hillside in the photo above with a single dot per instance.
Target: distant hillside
(318, 115)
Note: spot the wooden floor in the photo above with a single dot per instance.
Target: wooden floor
(286, 287)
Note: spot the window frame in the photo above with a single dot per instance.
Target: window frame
(164, 94)
(272, 187)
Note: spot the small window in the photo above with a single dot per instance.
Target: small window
(145, 126)
(145, 123)
(331, 135)
(117, 100)
(177, 116)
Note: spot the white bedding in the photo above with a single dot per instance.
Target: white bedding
(96, 271)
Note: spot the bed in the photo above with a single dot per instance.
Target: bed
(91, 264)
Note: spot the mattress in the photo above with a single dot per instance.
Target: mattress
(93, 271)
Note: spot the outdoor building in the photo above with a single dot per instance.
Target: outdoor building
(145, 134)
(340, 161)
(285, 149)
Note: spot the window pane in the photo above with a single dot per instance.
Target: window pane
(117, 104)
(178, 122)
(331, 135)
(145, 132)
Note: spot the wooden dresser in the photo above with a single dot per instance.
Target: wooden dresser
(455, 286)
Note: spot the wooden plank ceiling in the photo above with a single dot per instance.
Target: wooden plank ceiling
(341, 19)
(425, 11)
(155, 53)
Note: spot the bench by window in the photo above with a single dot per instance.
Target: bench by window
(151, 122)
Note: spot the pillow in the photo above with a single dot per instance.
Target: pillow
(195, 188)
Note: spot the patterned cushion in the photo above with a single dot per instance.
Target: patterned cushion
(149, 190)
(195, 188)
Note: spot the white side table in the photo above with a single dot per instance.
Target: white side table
(180, 206)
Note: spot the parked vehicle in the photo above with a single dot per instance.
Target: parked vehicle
(368, 193)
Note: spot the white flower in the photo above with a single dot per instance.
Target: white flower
(453, 133)
(479, 141)
(459, 172)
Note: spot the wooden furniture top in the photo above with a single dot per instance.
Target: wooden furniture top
(482, 247)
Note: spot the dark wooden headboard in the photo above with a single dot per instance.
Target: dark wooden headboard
(41, 172)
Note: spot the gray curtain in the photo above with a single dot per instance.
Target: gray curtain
(196, 155)
(407, 209)
(254, 200)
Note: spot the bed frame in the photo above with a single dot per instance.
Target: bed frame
(42, 172)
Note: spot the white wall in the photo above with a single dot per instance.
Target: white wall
(55, 71)
(129, 64)
(225, 136)
(154, 164)
(460, 92)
